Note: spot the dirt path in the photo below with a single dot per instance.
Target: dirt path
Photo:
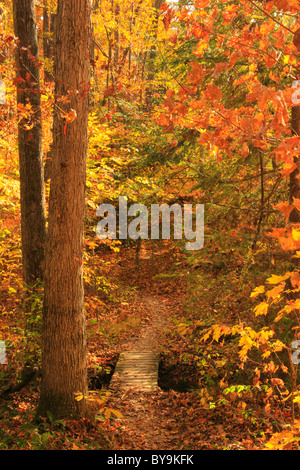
(146, 422)
(159, 310)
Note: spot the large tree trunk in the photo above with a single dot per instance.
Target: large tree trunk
(30, 142)
(294, 176)
(295, 126)
(64, 364)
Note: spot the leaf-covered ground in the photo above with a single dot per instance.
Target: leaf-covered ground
(181, 414)
(205, 401)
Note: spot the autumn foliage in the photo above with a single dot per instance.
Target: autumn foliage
(192, 102)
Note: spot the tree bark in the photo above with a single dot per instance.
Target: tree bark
(64, 363)
(294, 176)
(32, 198)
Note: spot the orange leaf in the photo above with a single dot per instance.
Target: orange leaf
(213, 92)
(289, 243)
(296, 203)
(285, 208)
(70, 116)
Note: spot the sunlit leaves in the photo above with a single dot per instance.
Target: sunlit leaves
(274, 279)
(285, 208)
(70, 116)
(78, 396)
(261, 309)
(285, 439)
(258, 290)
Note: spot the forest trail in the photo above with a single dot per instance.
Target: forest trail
(176, 415)
(138, 366)
(158, 309)
(145, 420)
(169, 419)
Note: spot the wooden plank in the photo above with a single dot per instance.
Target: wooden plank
(136, 369)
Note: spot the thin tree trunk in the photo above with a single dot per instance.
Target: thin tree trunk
(48, 32)
(262, 198)
(94, 88)
(48, 29)
(151, 75)
(109, 74)
(64, 363)
(116, 39)
(32, 196)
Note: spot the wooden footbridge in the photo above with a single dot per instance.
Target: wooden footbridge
(136, 370)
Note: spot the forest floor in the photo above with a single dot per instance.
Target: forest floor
(168, 419)
(184, 412)
(154, 304)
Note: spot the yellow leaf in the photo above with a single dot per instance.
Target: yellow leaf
(266, 354)
(275, 292)
(261, 309)
(280, 315)
(78, 396)
(92, 204)
(182, 328)
(217, 332)
(246, 342)
(258, 290)
(206, 336)
(277, 279)
(117, 413)
(220, 364)
(278, 346)
(296, 235)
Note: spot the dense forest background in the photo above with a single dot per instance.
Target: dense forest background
(176, 103)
